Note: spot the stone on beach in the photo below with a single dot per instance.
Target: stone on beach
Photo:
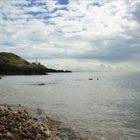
(16, 123)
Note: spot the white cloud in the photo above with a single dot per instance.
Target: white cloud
(101, 34)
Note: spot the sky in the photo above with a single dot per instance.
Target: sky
(78, 35)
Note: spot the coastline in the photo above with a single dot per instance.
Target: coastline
(19, 122)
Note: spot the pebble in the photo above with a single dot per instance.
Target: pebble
(9, 134)
(17, 124)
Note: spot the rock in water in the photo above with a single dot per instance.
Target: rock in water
(41, 84)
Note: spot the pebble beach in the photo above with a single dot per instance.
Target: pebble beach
(20, 123)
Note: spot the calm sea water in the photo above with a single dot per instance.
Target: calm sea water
(104, 109)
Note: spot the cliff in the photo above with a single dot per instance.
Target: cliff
(12, 64)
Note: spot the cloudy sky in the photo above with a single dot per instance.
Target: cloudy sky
(73, 34)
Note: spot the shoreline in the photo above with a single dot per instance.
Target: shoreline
(19, 123)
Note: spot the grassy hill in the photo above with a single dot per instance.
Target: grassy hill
(12, 64)
(12, 59)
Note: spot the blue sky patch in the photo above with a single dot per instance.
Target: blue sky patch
(63, 2)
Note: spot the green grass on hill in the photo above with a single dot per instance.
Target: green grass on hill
(12, 59)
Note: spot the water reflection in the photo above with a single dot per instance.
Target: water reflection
(107, 108)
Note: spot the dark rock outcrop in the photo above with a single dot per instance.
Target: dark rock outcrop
(53, 70)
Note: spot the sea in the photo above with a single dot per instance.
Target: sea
(97, 105)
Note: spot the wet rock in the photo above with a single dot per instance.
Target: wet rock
(39, 111)
(41, 84)
(90, 78)
(35, 119)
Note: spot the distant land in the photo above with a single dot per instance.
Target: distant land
(12, 64)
